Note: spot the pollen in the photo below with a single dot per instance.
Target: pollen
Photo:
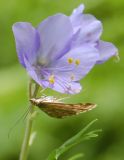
(77, 62)
(70, 60)
(52, 79)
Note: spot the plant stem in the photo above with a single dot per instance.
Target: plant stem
(25, 144)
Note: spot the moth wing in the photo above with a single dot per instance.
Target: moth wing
(61, 110)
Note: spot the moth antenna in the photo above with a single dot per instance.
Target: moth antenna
(26, 113)
(17, 121)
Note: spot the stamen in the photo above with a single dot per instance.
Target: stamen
(72, 77)
(70, 60)
(77, 62)
(52, 79)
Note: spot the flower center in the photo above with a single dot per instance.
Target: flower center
(42, 61)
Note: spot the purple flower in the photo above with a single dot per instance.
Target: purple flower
(62, 49)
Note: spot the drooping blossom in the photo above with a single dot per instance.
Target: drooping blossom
(62, 49)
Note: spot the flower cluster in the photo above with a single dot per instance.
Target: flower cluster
(62, 49)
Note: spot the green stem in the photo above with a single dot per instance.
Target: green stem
(25, 144)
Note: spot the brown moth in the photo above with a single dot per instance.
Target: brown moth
(54, 108)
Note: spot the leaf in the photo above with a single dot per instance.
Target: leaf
(79, 137)
(79, 155)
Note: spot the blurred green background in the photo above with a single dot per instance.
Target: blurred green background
(104, 86)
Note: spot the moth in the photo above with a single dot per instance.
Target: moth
(54, 108)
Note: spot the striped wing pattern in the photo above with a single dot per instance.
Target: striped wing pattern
(61, 110)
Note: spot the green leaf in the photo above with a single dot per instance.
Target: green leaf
(79, 155)
(79, 137)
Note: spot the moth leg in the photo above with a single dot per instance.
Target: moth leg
(60, 99)
(43, 90)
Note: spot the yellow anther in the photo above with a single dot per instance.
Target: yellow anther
(52, 79)
(77, 61)
(70, 60)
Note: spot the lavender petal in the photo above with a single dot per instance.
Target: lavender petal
(55, 32)
(106, 51)
(27, 41)
(86, 55)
